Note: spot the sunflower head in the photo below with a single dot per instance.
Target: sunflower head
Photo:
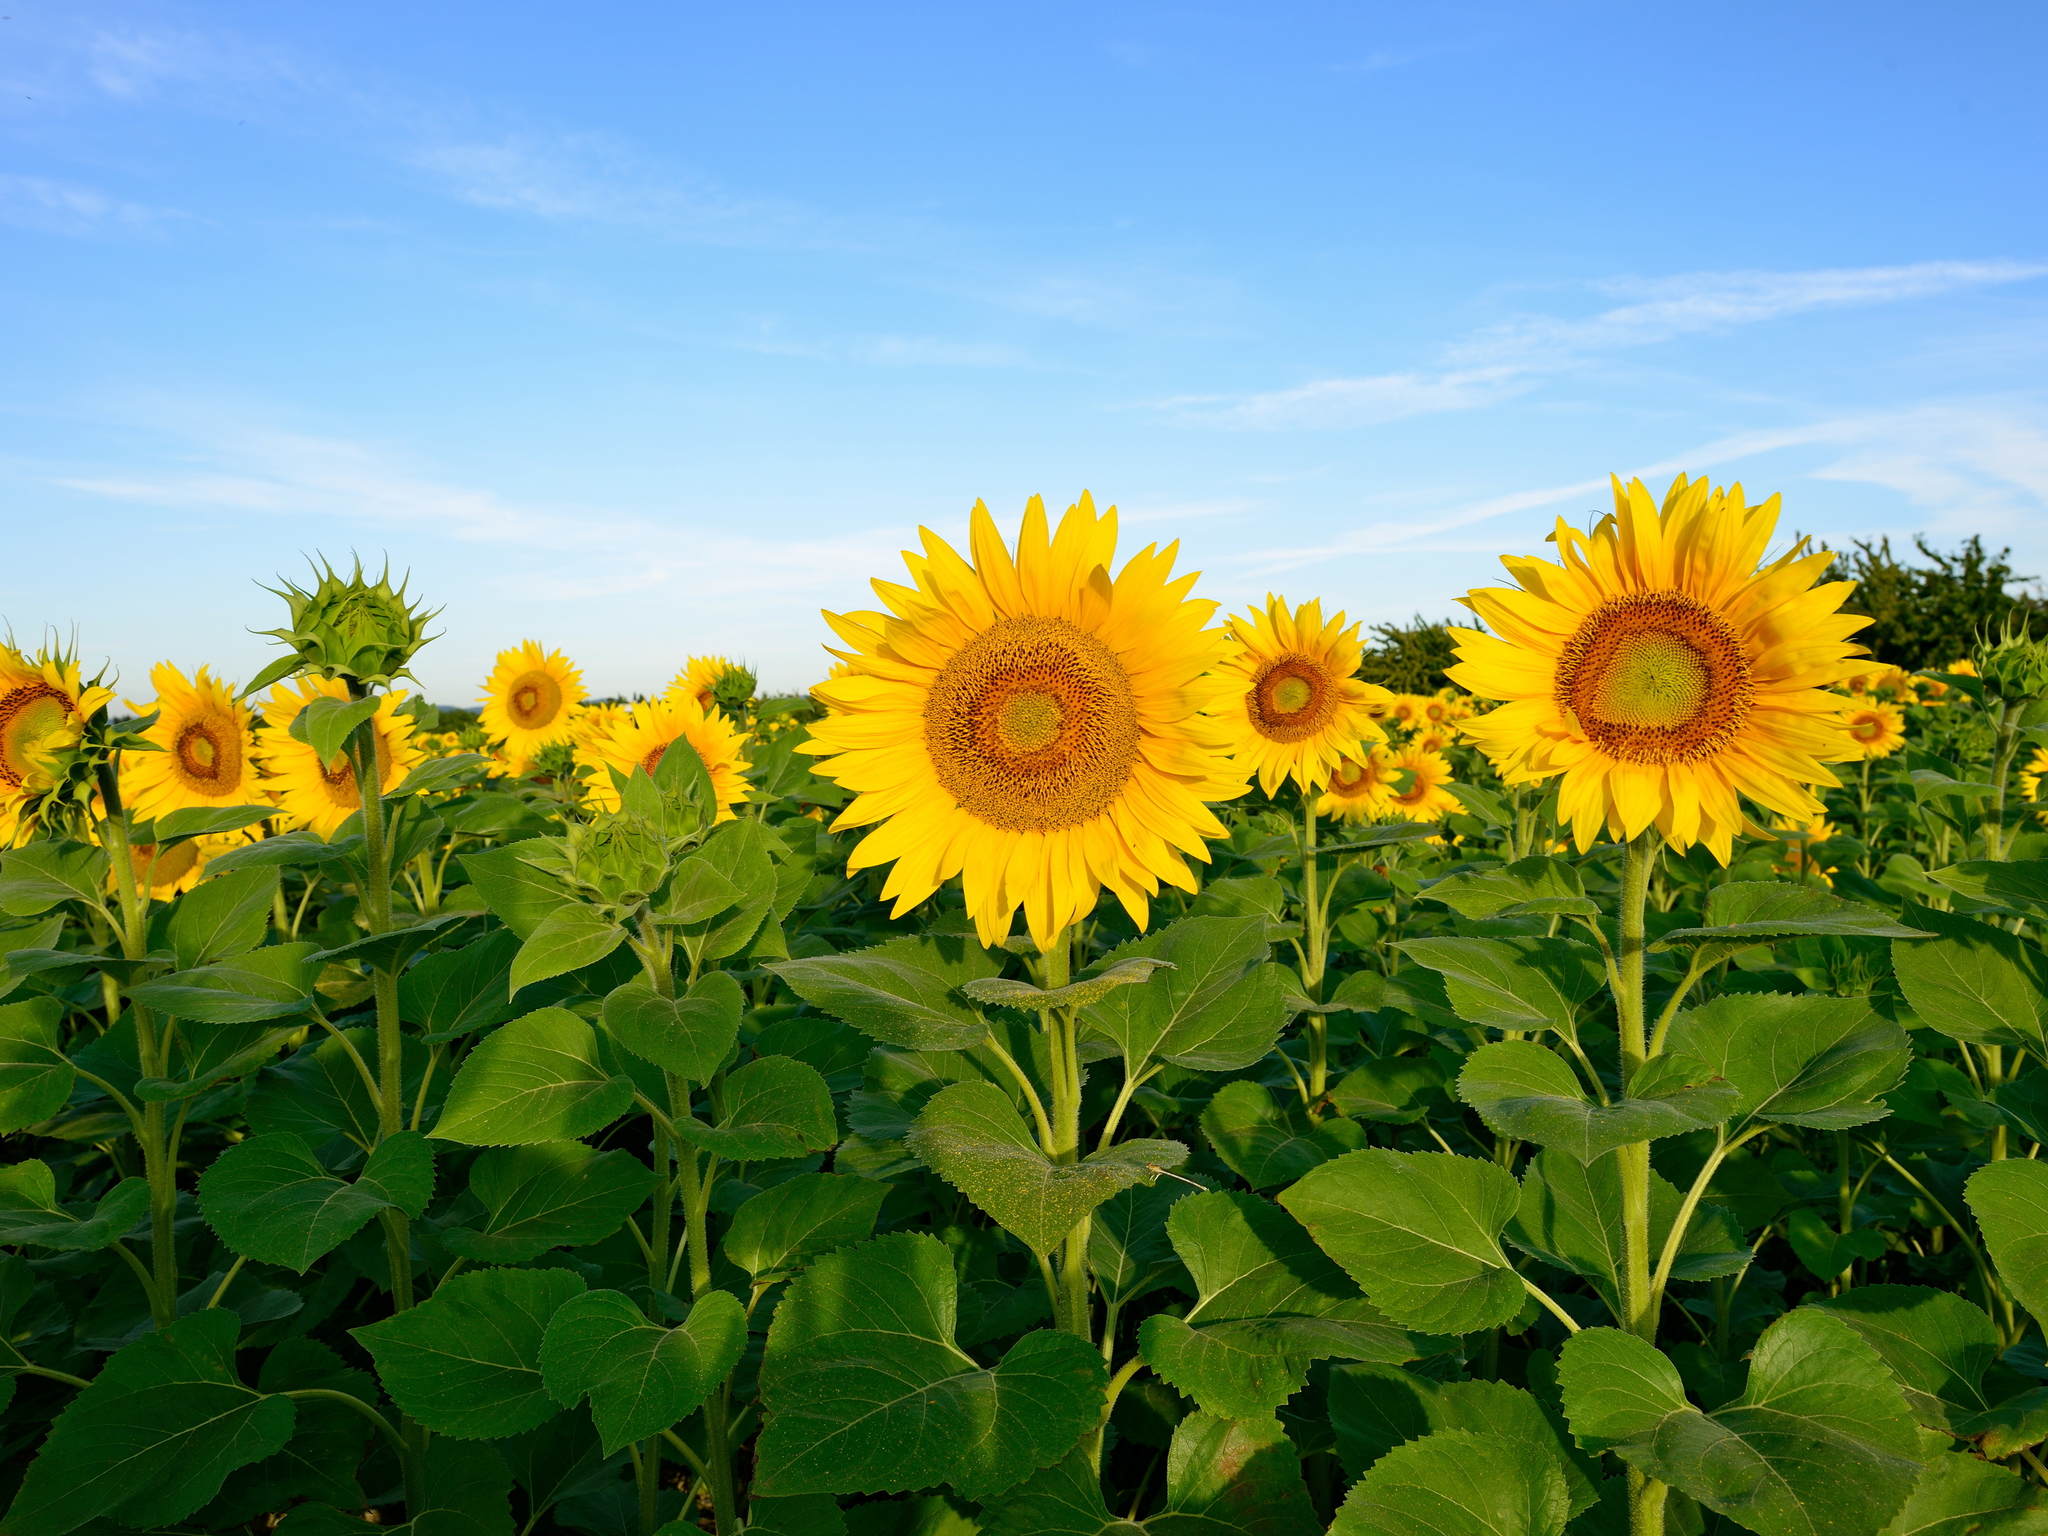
(715, 682)
(1663, 669)
(53, 739)
(530, 699)
(639, 738)
(1291, 706)
(1031, 722)
(322, 794)
(1876, 729)
(2032, 772)
(348, 628)
(204, 757)
(1361, 786)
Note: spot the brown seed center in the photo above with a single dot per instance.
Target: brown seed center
(1655, 677)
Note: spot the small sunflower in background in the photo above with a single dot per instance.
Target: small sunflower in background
(321, 796)
(1797, 838)
(43, 710)
(1404, 710)
(1359, 786)
(1900, 684)
(638, 737)
(1290, 706)
(168, 872)
(1663, 671)
(1878, 730)
(1032, 723)
(1434, 738)
(707, 678)
(530, 700)
(2032, 771)
(207, 757)
(1424, 798)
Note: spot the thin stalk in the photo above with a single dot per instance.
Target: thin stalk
(1315, 957)
(1996, 845)
(1639, 1298)
(1072, 1311)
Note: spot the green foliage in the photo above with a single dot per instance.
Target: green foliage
(1929, 613)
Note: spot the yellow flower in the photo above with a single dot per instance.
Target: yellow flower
(1405, 710)
(530, 699)
(43, 708)
(1360, 786)
(699, 680)
(324, 795)
(1865, 681)
(167, 872)
(1433, 738)
(1031, 724)
(1899, 683)
(1425, 798)
(1878, 730)
(638, 737)
(593, 722)
(1795, 850)
(1662, 672)
(206, 759)
(1289, 705)
(1962, 666)
(2031, 773)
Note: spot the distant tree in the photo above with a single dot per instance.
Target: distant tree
(1411, 657)
(1928, 614)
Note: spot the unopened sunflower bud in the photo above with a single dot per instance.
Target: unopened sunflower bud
(365, 633)
(734, 690)
(2014, 665)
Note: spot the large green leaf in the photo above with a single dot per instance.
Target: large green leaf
(1958, 1495)
(2009, 1198)
(35, 1077)
(1268, 1302)
(1539, 886)
(1820, 1443)
(1745, 913)
(557, 1194)
(1944, 1351)
(774, 1106)
(271, 1199)
(456, 992)
(222, 917)
(1804, 1059)
(273, 982)
(640, 1377)
(865, 1390)
(537, 1078)
(1375, 1408)
(1266, 1140)
(688, 1035)
(1456, 1483)
(971, 1136)
(512, 886)
(782, 1227)
(567, 939)
(1516, 983)
(39, 876)
(1217, 1010)
(466, 1361)
(154, 1435)
(1224, 1477)
(1527, 1091)
(32, 1216)
(903, 993)
(1419, 1231)
(2019, 886)
(1974, 982)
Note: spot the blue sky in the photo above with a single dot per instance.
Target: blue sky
(651, 329)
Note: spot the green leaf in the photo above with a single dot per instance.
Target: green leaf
(271, 1199)
(437, 773)
(520, 893)
(1826, 1253)
(640, 1377)
(31, 1216)
(557, 1194)
(1746, 913)
(1529, 1092)
(457, 992)
(775, 1232)
(466, 1361)
(2019, 886)
(1534, 887)
(1268, 1302)
(1455, 1483)
(774, 1106)
(865, 1391)
(1394, 1090)
(1374, 1408)
(222, 917)
(568, 939)
(1219, 1009)
(537, 1078)
(970, 1135)
(1818, 1444)
(1959, 1495)
(1519, 983)
(206, 821)
(1224, 1477)
(1974, 982)
(154, 1436)
(35, 1077)
(1265, 1141)
(689, 1035)
(394, 946)
(39, 876)
(903, 993)
(285, 849)
(1570, 1214)
(1806, 1060)
(1938, 1344)
(697, 892)
(326, 723)
(274, 982)
(2009, 1198)
(1006, 992)
(1419, 1231)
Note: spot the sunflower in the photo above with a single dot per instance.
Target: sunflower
(1033, 724)
(1796, 838)
(324, 795)
(638, 737)
(1425, 798)
(1863, 682)
(1663, 673)
(1962, 666)
(1359, 786)
(167, 872)
(203, 730)
(1878, 730)
(529, 699)
(1899, 683)
(1404, 710)
(1289, 704)
(699, 680)
(2032, 772)
(43, 709)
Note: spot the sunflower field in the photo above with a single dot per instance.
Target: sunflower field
(1603, 1096)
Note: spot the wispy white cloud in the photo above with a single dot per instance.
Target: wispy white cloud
(66, 208)
(885, 350)
(134, 62)
(1506, 360)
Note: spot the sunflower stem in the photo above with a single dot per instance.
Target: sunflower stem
(1639, 1297)
(1072, 1311)
(1315, 957)
(1995, 841)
